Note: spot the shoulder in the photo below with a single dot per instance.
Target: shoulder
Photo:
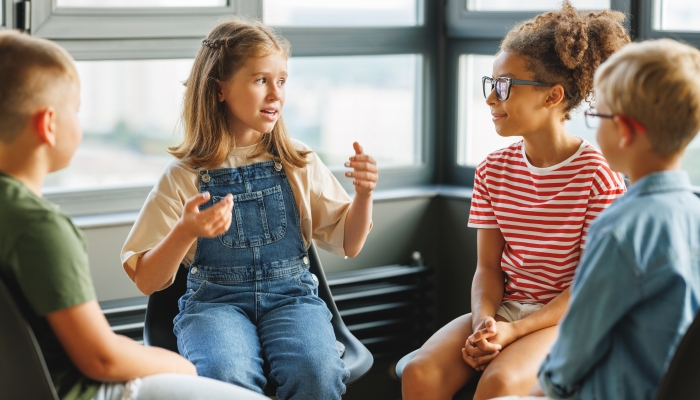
(177, 181)
(603, 178)
(23, 210)
(511, 155)
(315, 163)
(299, 145)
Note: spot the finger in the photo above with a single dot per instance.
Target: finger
(362, 176)
(488, 347)
(195, 201)
(363, 158)
(364, 184)
(476, 352)
(483, 360)
(361, 166)
(469, 360)
(358, 148)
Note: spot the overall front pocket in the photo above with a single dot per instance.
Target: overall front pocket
(258, 219)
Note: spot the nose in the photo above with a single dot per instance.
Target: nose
(275, 92)
(491, 98)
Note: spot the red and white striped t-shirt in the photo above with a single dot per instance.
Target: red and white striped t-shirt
(543, 214)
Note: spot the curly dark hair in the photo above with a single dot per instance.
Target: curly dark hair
(566, 46)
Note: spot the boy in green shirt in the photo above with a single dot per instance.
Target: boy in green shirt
(43, 257)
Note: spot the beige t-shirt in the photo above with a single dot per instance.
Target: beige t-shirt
(323, 205)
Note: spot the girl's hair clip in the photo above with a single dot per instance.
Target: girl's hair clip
(213, 44)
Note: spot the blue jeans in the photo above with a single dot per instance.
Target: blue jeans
(229, 331)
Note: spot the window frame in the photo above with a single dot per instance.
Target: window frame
(76, 30)
(7, 20)
(647, 30)
(464, 23)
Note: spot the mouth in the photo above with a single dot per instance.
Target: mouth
(497, 117)
(270, 114)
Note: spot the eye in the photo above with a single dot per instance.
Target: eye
(281, 82)
(260, 80)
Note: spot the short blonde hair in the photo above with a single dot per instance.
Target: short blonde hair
(656, 83)
(31, 69)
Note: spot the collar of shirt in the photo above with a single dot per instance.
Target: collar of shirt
(664, 181)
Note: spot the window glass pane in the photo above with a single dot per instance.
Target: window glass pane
(519, 5)
(677, 15)
(140, 3)
(129, 113)
(477, 136)
(341, 12)
(333, 101)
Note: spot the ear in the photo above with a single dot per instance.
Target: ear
(555, 96)
(627, 133)
(45, 126)
(220, 90)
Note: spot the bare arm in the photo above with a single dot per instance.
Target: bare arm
(102, 355)
(359, 217)
(488, 284)
(547, 316)
(156, 267)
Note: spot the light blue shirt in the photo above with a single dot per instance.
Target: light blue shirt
(634, 295)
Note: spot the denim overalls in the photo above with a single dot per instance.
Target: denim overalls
(250, 296)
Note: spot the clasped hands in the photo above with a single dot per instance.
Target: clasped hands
(488, 340)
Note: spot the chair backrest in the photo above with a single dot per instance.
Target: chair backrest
(681, 378)
(358, 360)
(23, 371)
(162, 309)
(160, 312)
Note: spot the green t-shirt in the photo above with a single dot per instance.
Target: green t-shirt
(43, 256)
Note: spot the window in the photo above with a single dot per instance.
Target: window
(352, 78)
(476, 134)
(480, 19)
(130, 114)
(676, 15)
(139, 3)
(333, 101)
(519, 5)
(341, 12)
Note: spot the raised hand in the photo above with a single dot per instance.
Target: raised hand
(364, 172)
(208, 223)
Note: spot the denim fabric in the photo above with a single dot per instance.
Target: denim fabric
(634, 295)
(250, 297)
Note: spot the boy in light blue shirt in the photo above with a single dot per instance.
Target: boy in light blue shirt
(638, 285)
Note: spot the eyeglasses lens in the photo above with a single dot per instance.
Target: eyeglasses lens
(501, 89)
(592, 122)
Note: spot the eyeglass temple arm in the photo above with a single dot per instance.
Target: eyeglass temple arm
(531, 83)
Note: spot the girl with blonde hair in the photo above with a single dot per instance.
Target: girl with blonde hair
(239, 207)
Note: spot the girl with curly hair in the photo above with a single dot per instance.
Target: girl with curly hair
(532, 204)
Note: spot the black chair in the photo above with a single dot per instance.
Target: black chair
(23, 372)
(162, 309)
(681, 378)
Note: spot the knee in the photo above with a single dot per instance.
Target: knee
(420, 375)
(496, 381)
(227, 369)
(308, 378)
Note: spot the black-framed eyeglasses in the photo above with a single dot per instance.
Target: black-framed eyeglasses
(502, 86)
(593, 120)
